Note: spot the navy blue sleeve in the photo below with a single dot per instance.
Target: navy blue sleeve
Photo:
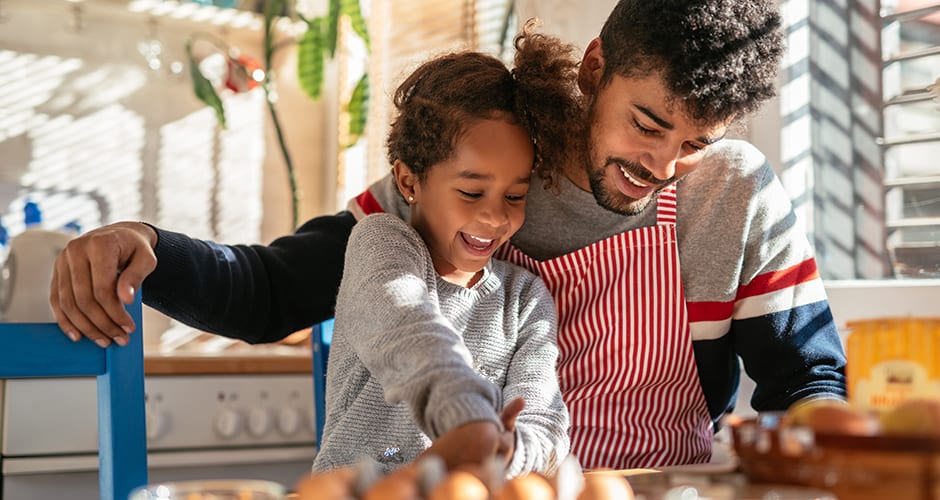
(256, 293)
(800, 356)
(719, 373)
(803, 359)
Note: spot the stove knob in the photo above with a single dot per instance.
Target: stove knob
(158, 422)
(288, 421)
(259, 421)
(227, 423)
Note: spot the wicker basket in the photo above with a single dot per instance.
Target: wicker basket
(852, 467)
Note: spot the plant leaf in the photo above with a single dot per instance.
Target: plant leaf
(203, 87)
(352, 9)
(310, 59)
(332, 33)
(358, 109)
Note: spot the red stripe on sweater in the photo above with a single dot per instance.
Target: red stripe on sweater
(777, 280)
(368, 203)
(709, 311)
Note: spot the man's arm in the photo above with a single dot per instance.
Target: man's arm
(782, 326)
(752, 286)
(254, 293)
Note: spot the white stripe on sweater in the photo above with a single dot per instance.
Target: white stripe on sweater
(784, 299)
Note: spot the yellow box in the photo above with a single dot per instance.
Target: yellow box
(891, 360)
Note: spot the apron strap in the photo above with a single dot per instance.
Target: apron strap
(666, 206)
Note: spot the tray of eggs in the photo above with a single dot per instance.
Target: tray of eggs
(428, 479)
(856, 454)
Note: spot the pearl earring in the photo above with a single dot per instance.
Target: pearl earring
(411, 199)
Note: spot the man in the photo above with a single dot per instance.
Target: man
(669, 250)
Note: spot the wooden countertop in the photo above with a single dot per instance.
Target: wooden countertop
(226, 363)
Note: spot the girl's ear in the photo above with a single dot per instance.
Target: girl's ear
(406, 180)
(592, 68)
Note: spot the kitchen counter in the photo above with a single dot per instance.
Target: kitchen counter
(225, 364)
(294, 360)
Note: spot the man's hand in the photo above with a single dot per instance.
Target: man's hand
(95, 275)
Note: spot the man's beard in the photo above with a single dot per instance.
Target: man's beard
(612, 199)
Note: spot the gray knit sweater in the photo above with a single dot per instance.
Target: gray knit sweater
(414, 356)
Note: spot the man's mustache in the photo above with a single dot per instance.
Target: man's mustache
(637, 171)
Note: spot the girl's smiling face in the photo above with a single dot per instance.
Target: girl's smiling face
(473, 202)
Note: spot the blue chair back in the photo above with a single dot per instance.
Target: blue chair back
(321, 338)
(36, 350)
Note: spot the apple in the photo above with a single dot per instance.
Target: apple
(919, 417)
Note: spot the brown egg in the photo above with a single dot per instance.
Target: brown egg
(528, 487)
(459, 485)
(605, 486)
(401, 484)
(913, 418)
(332, 485)
(842, 420)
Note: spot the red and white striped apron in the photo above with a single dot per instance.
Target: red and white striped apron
(626, 365)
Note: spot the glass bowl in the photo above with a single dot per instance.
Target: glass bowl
(219, 489)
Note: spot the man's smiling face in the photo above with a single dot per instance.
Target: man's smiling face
(639, 140)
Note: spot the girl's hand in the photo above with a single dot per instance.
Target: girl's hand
(474, 443)
(470, 444)
(507, 438)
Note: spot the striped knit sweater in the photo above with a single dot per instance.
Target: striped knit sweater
(414, 356)
(751, 283)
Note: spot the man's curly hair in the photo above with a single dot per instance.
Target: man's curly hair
(440, 100)
(718, 57)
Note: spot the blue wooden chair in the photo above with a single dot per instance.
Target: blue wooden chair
(35, 350)
(321, 338)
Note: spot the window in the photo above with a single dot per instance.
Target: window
(856, 135)
(911, 141)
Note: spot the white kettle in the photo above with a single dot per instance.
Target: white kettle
(27, 271)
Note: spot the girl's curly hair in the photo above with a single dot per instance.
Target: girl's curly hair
(440, 100)
(719, 57)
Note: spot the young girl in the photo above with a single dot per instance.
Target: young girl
(430, 333)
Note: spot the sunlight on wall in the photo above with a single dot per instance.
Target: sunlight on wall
(95, 132)
(84, 169)
(184, 188)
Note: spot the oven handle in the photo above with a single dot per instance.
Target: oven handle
(161, 459)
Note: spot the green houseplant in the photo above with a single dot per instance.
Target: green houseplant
(316, 47)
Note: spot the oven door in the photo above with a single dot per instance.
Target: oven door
(76, 477)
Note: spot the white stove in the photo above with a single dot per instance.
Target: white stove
(254, 426)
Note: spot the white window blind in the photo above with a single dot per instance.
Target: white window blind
(911, 142)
